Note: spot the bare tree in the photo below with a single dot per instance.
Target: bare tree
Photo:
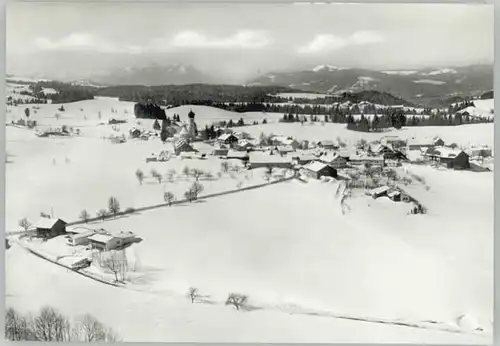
(25, 224)
(89, 329)
(57, 116)
(102, 213)
(51, 325)
(196, 189)
(197, 173)
(189, 195)
(171, 174)
(186, 171)
(193, 293)
(224, 166)
(139, 175)
(84, 215)
(113, 206)
(237, 300)
(115, 262)
(239, 185)
(168, 197)
(17, 327)
(156, 175)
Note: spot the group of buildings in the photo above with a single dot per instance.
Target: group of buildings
(95, 239)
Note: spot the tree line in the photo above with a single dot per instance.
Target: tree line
(50, 324)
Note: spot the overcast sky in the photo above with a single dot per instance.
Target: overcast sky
(239, 40)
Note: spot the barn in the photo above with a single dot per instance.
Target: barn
(318, 169)
(227, 138)
(455, 159)
(50, 228)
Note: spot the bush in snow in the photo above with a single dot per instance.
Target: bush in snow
(139, 175)
(237, 300)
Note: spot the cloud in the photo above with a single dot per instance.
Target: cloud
(84, 42)
(243, 39)
(329, 42)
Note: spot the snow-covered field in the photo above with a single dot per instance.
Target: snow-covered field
(464, 135)
(287, 246)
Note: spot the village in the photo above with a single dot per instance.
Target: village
(375, 169)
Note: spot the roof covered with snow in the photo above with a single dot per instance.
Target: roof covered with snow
(380, 189)
(315, 166)
(46, 223)
(101, 238)
(225, 136)
(443, 152)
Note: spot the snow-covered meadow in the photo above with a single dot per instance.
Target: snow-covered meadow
(287, 246)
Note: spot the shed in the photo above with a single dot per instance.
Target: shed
(318, 169)
(104, 242)
(380, 191)
(50, 228)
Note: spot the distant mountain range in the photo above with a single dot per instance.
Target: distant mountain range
(437, 87)
(424, 86)
(154, 75)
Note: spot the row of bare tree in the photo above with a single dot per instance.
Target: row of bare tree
(238, 300)
(51, 325)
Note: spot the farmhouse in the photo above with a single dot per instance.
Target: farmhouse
(392, 141)
(227, 138)
(50, 228)
(182, 145)
(103, 242)
(285, 149)
(327, 144)
(259, 160)
(379, 149)
(281, 140)
(318, 169)
(418, 144)
(456, 159)
(303, 159)
(245, 145)
(395, 155)
(220, 152)
(334, 160)
(80, 238)
(365, 159)
(479, 151)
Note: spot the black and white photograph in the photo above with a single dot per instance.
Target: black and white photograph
(260, 173)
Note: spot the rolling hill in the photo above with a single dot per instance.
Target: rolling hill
(426, 86)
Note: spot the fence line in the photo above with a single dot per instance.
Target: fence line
(162, 205)
(88, 275)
